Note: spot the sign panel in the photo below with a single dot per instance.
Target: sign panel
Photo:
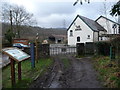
(23, 41)
(16, 54)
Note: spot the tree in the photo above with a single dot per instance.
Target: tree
(9, 35)
(19, 16)
(81, 2)
(116, 9)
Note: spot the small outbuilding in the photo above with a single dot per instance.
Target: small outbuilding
(57, 38)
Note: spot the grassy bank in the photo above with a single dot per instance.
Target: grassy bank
(109, 72)
(66, 62)
(28, 74)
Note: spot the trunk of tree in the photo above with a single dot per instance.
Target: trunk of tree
(18, 31)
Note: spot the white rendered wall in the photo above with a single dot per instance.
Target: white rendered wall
(107, 25)
(103, 38)
(83, 34)
(95, 36)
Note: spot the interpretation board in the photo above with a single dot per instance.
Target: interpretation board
(16, 54)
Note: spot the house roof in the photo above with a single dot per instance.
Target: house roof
(90, 23)
(106, 19)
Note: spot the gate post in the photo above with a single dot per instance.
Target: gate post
(112, 52)
(44, 50)
(80, 49)
(13, 81)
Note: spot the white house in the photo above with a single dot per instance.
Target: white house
(112, 27)
(84, 30)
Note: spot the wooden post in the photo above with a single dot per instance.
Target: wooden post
(32, 55)
(19, 71)
(112, 52)
(12, 72)
(36, 50)
(13, 53)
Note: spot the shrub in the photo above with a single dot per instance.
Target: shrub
(103, 48)
(9, 35)
(116, 41)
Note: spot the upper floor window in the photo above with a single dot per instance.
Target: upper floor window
(71, 32)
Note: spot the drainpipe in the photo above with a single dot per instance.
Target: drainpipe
(119, 23)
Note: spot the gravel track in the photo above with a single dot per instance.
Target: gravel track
(80, 74)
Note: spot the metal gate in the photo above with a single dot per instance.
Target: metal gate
(57, 49)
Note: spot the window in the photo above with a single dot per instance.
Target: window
(71, 32)
(101, 38)
(78, 39)
(88, 37)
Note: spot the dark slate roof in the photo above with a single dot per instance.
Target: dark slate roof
(90, 23)
(107, 19)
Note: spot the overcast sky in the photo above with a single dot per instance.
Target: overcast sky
(60, 13)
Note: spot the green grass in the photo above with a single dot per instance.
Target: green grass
(28, 73)
(107, 73)
(81, 56)
(66, 62)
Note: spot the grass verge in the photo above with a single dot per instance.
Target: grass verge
(81, 56)
(66, 62)
(28, 74)
(109, 72)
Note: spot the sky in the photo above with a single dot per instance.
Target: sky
(61, 13)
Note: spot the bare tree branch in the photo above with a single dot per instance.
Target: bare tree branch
(19, 16)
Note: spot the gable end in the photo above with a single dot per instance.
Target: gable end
(107, 19)
(72, 22)
(82, 20)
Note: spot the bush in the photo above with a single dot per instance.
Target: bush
(116, 41)
(103, 48)
(9, 35)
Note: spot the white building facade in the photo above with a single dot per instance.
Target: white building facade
(83, 30)
(111, 26)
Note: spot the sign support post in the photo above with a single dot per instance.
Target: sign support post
(36, 50)
(32, 55)
(12, 71)
(36, 42)
(19, 71)
(17, 55)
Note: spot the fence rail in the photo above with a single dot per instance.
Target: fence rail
(56, 50)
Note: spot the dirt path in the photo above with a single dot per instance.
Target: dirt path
(80, 74)
(83, 74)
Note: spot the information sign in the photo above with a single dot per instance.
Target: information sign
(16, 54)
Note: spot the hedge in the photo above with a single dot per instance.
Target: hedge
(103, 48)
